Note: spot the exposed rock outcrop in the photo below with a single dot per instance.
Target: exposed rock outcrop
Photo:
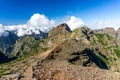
(110, 31)
(58, 34)
(60, 70)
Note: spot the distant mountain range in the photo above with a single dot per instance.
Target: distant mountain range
(60, 46)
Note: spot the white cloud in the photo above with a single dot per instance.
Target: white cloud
(103, 24)
(1, 29)
(41, 22)
(74, 22)
(21, 32)
(36, 24)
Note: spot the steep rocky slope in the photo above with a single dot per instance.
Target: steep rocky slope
(60, 70)
(58, 35)
(24, 45)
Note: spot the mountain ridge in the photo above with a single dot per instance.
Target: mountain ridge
(81, 47)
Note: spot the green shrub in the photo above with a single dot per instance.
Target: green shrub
(44, 49)
(1, 73)
(100, 38)
(117, 52)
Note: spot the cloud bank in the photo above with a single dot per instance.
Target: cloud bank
(103, 24)
(37, 23)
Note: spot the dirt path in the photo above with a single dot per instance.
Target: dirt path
(28, 72)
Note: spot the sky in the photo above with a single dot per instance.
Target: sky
(95, 13)
(19, 11)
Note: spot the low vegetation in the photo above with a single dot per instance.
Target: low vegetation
(117, 52)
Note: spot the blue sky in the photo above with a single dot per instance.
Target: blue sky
(19, 11)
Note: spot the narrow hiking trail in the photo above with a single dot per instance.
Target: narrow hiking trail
(28, 72)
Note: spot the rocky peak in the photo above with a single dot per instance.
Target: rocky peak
(62, 28)
(108, 30)
(85, 30)
(58, 34)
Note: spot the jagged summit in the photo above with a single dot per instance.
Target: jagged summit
(62, 28)
(58, 34)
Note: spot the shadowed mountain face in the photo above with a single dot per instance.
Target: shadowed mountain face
(12, 45)
(90, 59)
(28, 44)
(7, 43)
(4, 58)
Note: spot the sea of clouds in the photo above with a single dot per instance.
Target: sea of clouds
(39, 22)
